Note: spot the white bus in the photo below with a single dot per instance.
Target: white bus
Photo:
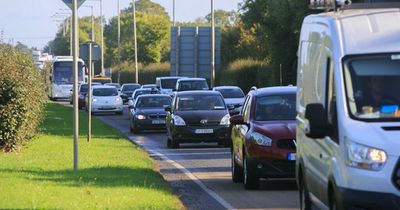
(61, 77)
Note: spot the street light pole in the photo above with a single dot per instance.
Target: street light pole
(173, 13)
(135, 40)
(102, 37)
(75, 46)
(119, 43)
(212, 45)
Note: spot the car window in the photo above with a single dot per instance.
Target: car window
(153, 102)
(200, 102)
(142, 92)
(130, 87)
(193, 85)
(231, 93)
(279, 107)
(105, 92)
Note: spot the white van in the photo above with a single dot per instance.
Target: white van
(348, 122)
(166, 84)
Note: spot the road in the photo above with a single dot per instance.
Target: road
(200, 173)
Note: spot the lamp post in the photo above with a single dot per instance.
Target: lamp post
(135, 41)
(102, 35)
(212, 45)
(173, 13)
(119, 43)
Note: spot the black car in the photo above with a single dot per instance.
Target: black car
(127, 90)
(148, 112)
(197, 116)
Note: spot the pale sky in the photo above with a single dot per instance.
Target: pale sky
(29, 22)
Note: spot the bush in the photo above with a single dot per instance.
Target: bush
(246, 73)
(147, 74)
(22, 98)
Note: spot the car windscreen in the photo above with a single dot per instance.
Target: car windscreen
(193, 85)
(105, 92)
(130, 88)
(372, 82)
(168, 83)
(200, 102)
(84, 87)
(276, 107)
(153, 102)
(231, 93)
(63, 73)
(141, 92)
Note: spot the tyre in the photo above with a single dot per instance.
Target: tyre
(237, 171)
(135, 129)
(251, 180)
(305, 201)
(174, 143)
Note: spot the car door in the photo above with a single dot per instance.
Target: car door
(241, 130)
(168, 119)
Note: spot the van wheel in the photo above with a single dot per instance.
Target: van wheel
(251, 180)
(237, 171)
(333, 205)
(305, 201)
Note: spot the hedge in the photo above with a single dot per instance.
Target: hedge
(147, 74)
(22, 98)
(246, 73)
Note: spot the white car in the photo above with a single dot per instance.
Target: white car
(105, 99)
(233, 96)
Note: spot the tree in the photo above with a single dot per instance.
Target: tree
(23, 48)
(153, 34)
(277, 24)
(223, 18)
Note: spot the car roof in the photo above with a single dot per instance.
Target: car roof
(170, 77)
(103, 87)
(111, 83)
(191, 79)
(274, 90)
(141, 89)
(226, 87)
(129, 84)
(155, 95)
(198, 92)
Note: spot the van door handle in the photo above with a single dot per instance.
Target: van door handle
(323, 156)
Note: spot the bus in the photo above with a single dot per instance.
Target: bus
(61, 77)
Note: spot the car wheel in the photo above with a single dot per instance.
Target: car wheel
(305, 201)
(135, 129)
(251, 180)
(237, 171)
(174, 143)
(169, 143)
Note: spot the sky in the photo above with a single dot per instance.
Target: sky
(30, 22)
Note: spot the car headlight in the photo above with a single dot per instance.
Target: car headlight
(225, 120)
(363, 157)
(179, 121)
(117, 99)
(260, 139)
(94, 99)
(141, 117)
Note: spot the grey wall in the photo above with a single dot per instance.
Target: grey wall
(191, 51)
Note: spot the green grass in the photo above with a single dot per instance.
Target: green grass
(113, 173)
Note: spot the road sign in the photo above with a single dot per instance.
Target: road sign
(69, 3)
(84, 51)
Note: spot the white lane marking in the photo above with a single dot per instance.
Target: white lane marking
(223, 202)
(208, 153)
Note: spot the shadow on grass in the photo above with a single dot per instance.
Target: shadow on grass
(97, 177)
(59, 122)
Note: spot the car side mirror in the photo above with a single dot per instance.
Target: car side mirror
(131, 105)
(231, 106)
(237, 120)
(316, 121)
(168, 108)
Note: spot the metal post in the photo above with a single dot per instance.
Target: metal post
(89, 129)
(135, 40)
(173, 13)
(102, 37)
(119, 43)
(70, 36)
(92, 19)
(75, 49)
(212, 45)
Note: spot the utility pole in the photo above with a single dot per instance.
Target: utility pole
(102, 37)
(119, 44)
(135, 40)
(212, 45)
(70, 36)
(173, 13)
(75, 40)
(91, 70)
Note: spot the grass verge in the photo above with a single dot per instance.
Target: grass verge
(113, 174)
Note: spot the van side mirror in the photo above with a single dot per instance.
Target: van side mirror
(316, 118)
(168, 108)
(237, 120)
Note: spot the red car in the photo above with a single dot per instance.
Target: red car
(263, 136)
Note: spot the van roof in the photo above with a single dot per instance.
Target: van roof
(361, 31)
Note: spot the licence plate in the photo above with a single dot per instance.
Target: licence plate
(203, 131)
(157, 122)
(292, 156)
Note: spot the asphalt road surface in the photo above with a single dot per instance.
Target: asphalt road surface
(200, 173)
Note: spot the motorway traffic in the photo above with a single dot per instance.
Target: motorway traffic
(200, 173)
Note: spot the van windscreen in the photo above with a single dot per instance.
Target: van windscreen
(372, 83)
